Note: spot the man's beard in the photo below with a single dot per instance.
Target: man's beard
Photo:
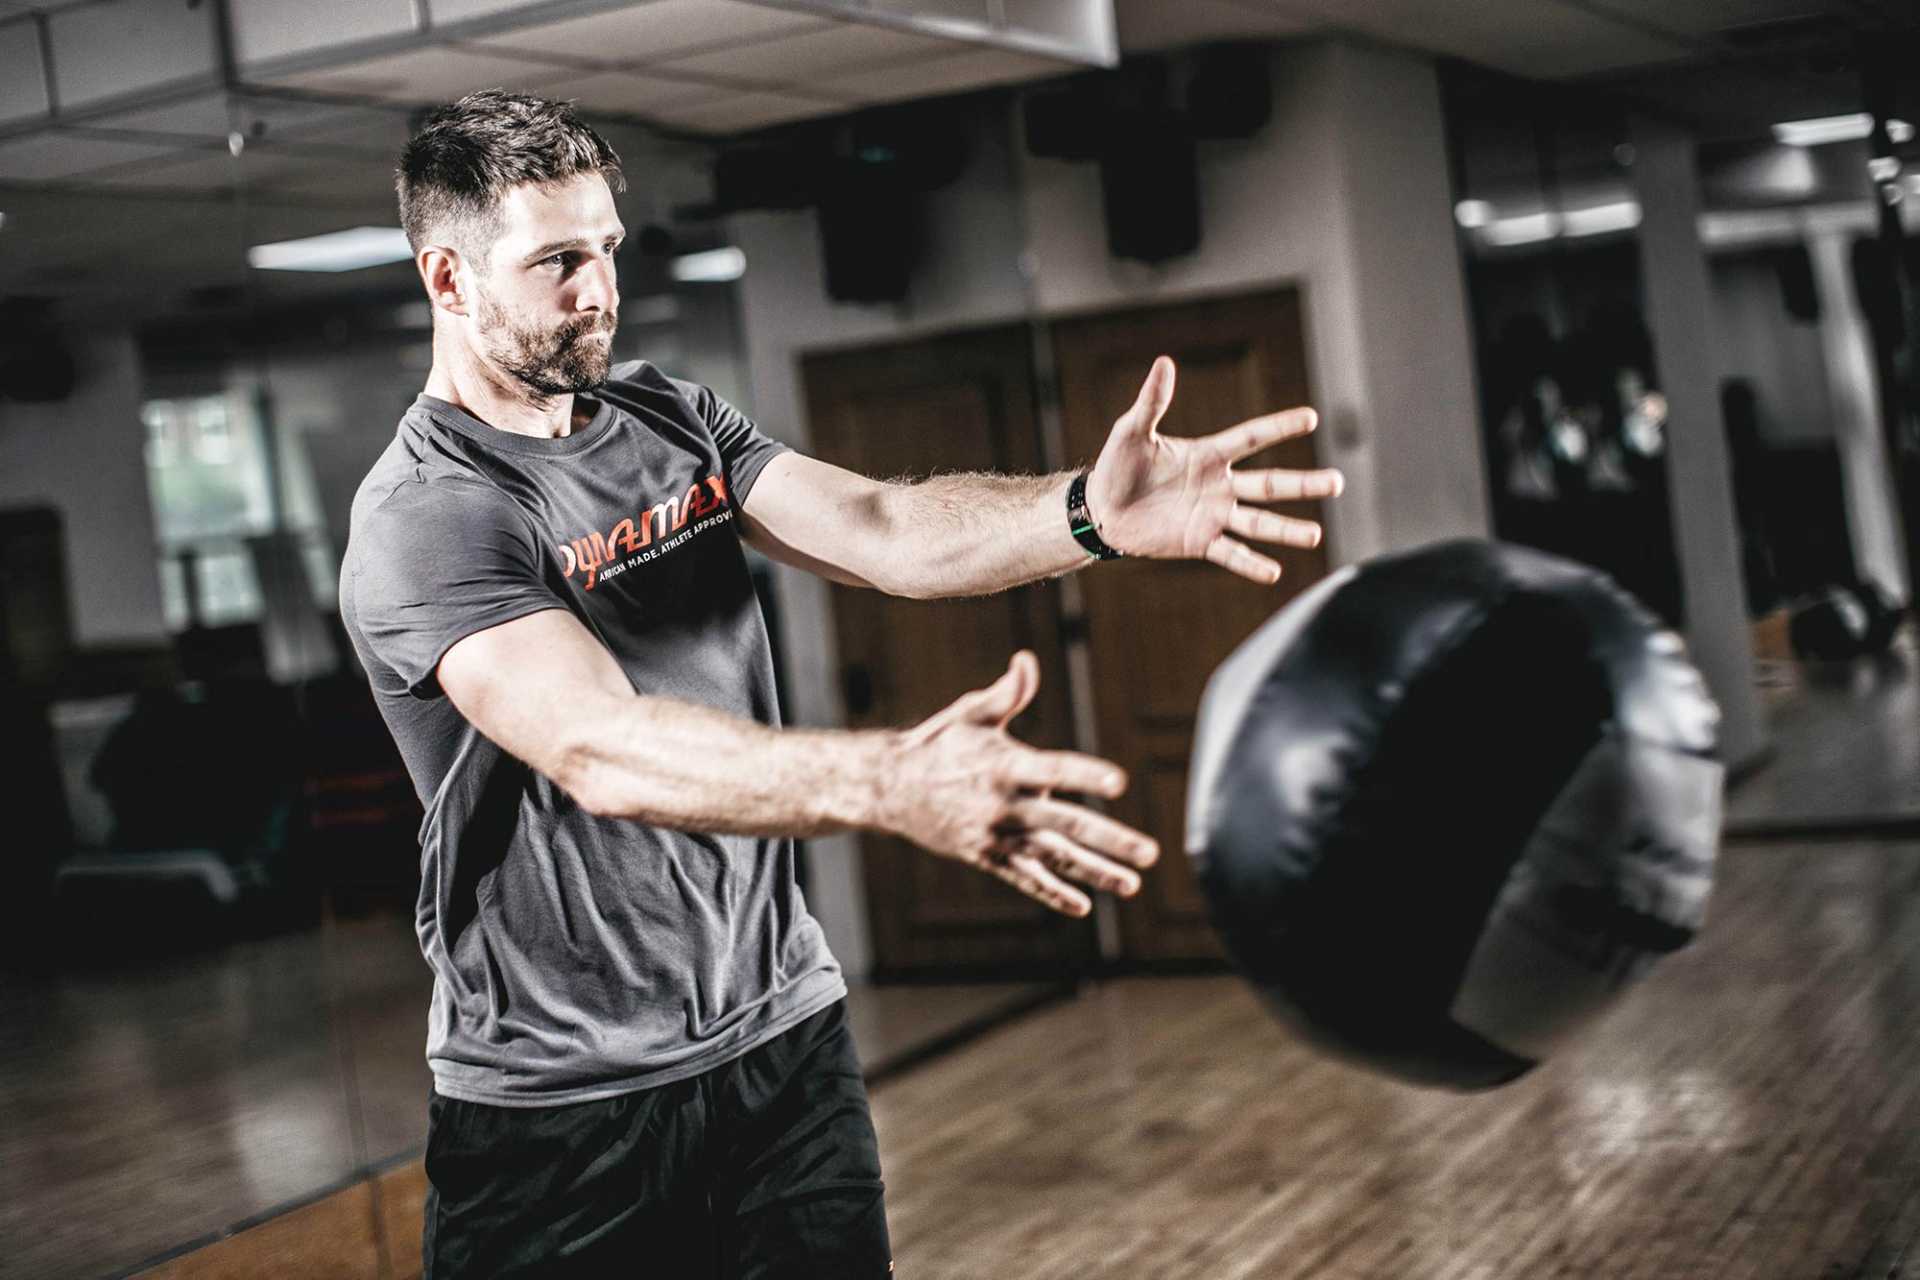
(551, 362)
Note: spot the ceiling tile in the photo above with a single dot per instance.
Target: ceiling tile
(969, 11)
(23, 80)
(367, 185)
(794, 60)
(928, 78)
(106, 51)
(745, 111)
(267, 29)
(210, 116)
(446, 12)
(654, 31)
(632, 93)
(1156, 24)
(1708, 17)
(1535, 38)
(423, 75)
(50, 156)
(363, 128)
(199, 171)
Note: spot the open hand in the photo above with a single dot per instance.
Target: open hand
(961, 786)
(1177, 498)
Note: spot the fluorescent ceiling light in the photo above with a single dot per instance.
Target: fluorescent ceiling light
(712, 266)
(1749, 226)
(1826, 129)
(1473, 213)
(1601, 218)
(348, 250)
(1526, 229)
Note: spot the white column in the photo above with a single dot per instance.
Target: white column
(1873, 520)
(1706, 537)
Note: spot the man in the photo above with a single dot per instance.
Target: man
(640, 1057)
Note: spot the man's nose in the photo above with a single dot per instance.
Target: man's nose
(599, 289)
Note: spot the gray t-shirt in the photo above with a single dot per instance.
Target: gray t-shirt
(578, 957)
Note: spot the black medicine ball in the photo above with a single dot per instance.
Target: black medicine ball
(1447, 805)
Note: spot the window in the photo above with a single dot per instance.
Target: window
(211, 474)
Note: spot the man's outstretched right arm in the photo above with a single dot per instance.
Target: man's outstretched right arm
(956, 784)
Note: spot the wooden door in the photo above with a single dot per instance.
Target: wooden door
(958, 403)
(1157, 629)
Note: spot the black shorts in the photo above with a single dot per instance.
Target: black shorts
(764, 1167)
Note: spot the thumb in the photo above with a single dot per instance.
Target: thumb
(1007, 697)
(1156, 393)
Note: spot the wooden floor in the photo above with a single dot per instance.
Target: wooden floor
(1752, 1111)
(1846, 749)
(155, 1104)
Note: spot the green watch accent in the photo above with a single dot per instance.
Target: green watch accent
(1081, 523)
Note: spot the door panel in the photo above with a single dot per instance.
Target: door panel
(962, 402)
(1157, 629)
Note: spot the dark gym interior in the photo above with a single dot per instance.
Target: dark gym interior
(1632, 283)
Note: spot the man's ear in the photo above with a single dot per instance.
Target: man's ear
(441, 271)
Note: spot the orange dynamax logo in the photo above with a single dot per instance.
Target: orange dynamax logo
(594, 550)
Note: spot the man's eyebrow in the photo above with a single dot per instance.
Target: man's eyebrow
(578, 242)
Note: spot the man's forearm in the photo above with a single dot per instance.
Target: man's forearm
(678, 764)
(976, 533)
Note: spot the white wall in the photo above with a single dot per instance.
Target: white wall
(1345, 193)
(1755, 339)
(86, 456)
(1705, 532)
(1873, 504)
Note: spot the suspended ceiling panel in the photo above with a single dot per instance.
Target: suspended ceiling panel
(1710, 17)
(107, 52)
(949, 73)
(655, 31)
(45, 157)
(448, 12)
(211, 116)
(433, 74)
(701, 66)
(1543, 39)
(1156, 24)
(795, 59)
(23, 78)
(743, 111)
(207, 172)
(632, 93)
(264, 30)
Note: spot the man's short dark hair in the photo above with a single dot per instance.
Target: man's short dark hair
(468, 154)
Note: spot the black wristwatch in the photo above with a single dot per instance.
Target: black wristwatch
(1080, 521)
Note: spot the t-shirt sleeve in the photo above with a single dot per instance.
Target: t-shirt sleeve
(745, 450)
(435, 563)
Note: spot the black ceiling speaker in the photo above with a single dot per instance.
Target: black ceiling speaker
(869, 233)
(1067, 122)
(925, 146)
(1229, 94)
(766, 176)
(35, 365)
(1150, 184)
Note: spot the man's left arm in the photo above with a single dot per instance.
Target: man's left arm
(1147, 495)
